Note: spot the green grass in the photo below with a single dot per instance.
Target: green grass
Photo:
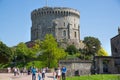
(95, 77)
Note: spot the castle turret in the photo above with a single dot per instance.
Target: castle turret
(61, 22)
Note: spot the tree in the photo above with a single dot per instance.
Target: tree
(37, 47)
(51, 53)
(102, 52)
(5, 53)
(92, 45)
(71, 49)
(23, 53)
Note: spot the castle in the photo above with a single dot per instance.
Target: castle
(61, 22)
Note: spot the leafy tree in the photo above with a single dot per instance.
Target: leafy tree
(51, 53)
(13, 49)
(102, 52)
(22, 52)
(83, 54)
(92, 45)
(5, 53)
(37, 45)
(37, 48)
(71, 49)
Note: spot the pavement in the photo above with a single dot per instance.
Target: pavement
(10, 76)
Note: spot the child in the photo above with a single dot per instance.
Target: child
(39, 75)
(54, 75)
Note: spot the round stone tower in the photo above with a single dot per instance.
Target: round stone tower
(61, 22)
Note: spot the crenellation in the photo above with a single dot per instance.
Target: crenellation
(58, 11)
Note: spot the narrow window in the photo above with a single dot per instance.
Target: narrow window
(64, 23)
(64, 33)
(37, 34)
(75, 34)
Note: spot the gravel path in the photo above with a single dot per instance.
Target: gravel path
(10, 76)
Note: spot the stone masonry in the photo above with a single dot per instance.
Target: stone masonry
(61, 22)
(76, 67)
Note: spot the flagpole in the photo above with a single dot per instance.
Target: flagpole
(46, 2)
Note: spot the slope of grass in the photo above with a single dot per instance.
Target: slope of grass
(95, 77)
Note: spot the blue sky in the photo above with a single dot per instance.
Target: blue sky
(98, 18)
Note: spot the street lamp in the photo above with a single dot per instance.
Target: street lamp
(94, 61)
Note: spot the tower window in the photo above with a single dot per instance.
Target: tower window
(55, 12)
(64, 33)
(75, 34)
(64, 23)
(37, 34)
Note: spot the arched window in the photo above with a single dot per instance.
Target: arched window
(55, 12)
(75, 34)
(64, 33)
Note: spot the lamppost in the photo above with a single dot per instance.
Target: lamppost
(94, 61)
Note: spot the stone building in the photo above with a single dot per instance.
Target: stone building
(115, 48)
(63, 23)
(107, 65)
(110, 64)
(115, 45)
(103, 64)
(76, 67)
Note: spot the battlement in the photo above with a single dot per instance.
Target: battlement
(55, 10)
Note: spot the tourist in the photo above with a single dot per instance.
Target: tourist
(15, 71)
(21, 71)
(18, 71)
(9, 69)
(47, 69)
(29, 71)
(43, 73)
(34, 73)
(39, 75)
(58, 74)
(64, 70)
(54, 75)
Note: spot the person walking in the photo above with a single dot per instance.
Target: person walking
(39, 75)
(43, 73)
(64, 70)
(15, 71)
(34, 73)
(54, 75)
(58, 74)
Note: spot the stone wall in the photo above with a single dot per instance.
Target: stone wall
(115, 46)
(76, 67)
(63, 23)
(111, 66)
(3, 70)
(115, 49)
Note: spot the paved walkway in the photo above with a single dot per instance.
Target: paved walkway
(10, 76)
